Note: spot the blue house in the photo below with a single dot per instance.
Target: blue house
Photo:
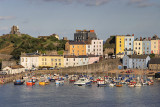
(136, 61)
(129, 44)
(146, 46)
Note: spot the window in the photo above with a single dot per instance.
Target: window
(139, 48)
(139, 43)
(129, 39)
(45, 59)
(88, 46)
(136, 43)
(119, 45)
(74, 59)
(78, 46)
(135, 47)
(55, 59)
(59, 60)
(66, 63)
(59, 63)
(129, 43)
(88, 50)
(126, 39)
(56, 63)
(73, 46)
(99, 42)
(67, 59)
(94, 42)
(52, 59)
(119, 41)
(42, 59)
(45, 63)
(22, 59)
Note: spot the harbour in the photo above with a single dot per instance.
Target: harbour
(72, 95)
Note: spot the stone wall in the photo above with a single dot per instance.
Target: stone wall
(102, 66)
(8, 63)
(109, 51)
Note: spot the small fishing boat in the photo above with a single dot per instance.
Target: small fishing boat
(101, 83)
(30, 83)
(119, 85)
(19, 82)
(131, 84)
(42, 83)
(138, 85)
(59, 82)
(83, 81)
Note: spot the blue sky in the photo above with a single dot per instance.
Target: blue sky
(63, 17)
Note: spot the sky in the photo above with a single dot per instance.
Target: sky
(63, 17)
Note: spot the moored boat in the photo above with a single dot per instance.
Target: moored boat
(19, 82)
(30, 83)
(83, 81)
(42, 83)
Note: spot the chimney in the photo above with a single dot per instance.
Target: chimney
(132, 34)
(149, 38)
(140, 38)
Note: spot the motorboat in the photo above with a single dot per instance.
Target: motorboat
(19, 82)
(83, 81)
(59, 82)
(30, 83)
(138, 85)
(42, 83)
(101, 83)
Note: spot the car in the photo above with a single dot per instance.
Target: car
(44, 68)
(3, 73)
(51, 68)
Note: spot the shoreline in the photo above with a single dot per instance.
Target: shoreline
(9, 78)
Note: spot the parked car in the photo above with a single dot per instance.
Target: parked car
(44, 69)
(3, 73)
(51, 68)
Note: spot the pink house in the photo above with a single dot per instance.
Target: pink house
(92, 59)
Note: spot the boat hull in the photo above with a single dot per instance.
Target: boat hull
(42, 83)
(18, 83)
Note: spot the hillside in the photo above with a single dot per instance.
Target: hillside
(13, 44)
(110, 42)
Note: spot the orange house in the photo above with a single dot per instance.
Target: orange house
(76, 48)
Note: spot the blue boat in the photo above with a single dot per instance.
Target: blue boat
(19, 82)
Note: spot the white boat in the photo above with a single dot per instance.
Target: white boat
(59, 82)
(101, 83)
(83, 81)
(138, 85)
(111, 84)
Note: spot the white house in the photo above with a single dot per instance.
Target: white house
(95, 47)
(70, 61)
(29, 60)
(14, 69)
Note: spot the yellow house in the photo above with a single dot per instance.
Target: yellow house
(120, 45)
(55, 61)
(76, 48)
(137, 49)
(154, 46)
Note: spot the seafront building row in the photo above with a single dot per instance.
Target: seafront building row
(34, 60)
(127, 45)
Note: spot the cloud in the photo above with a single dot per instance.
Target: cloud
(85, 2)
(141, 3)
(6, 17)
(3, 28)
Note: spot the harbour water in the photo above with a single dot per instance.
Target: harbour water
(69, 95)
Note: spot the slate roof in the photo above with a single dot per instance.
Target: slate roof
(154, 61)
(138, 56)
(76, 42)
(16, 66)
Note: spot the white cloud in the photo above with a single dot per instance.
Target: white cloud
(6, 17)
(3, 28)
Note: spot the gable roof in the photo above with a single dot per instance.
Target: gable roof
(76, 42)
(154, 61)
(138, 56)
(16, 66)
